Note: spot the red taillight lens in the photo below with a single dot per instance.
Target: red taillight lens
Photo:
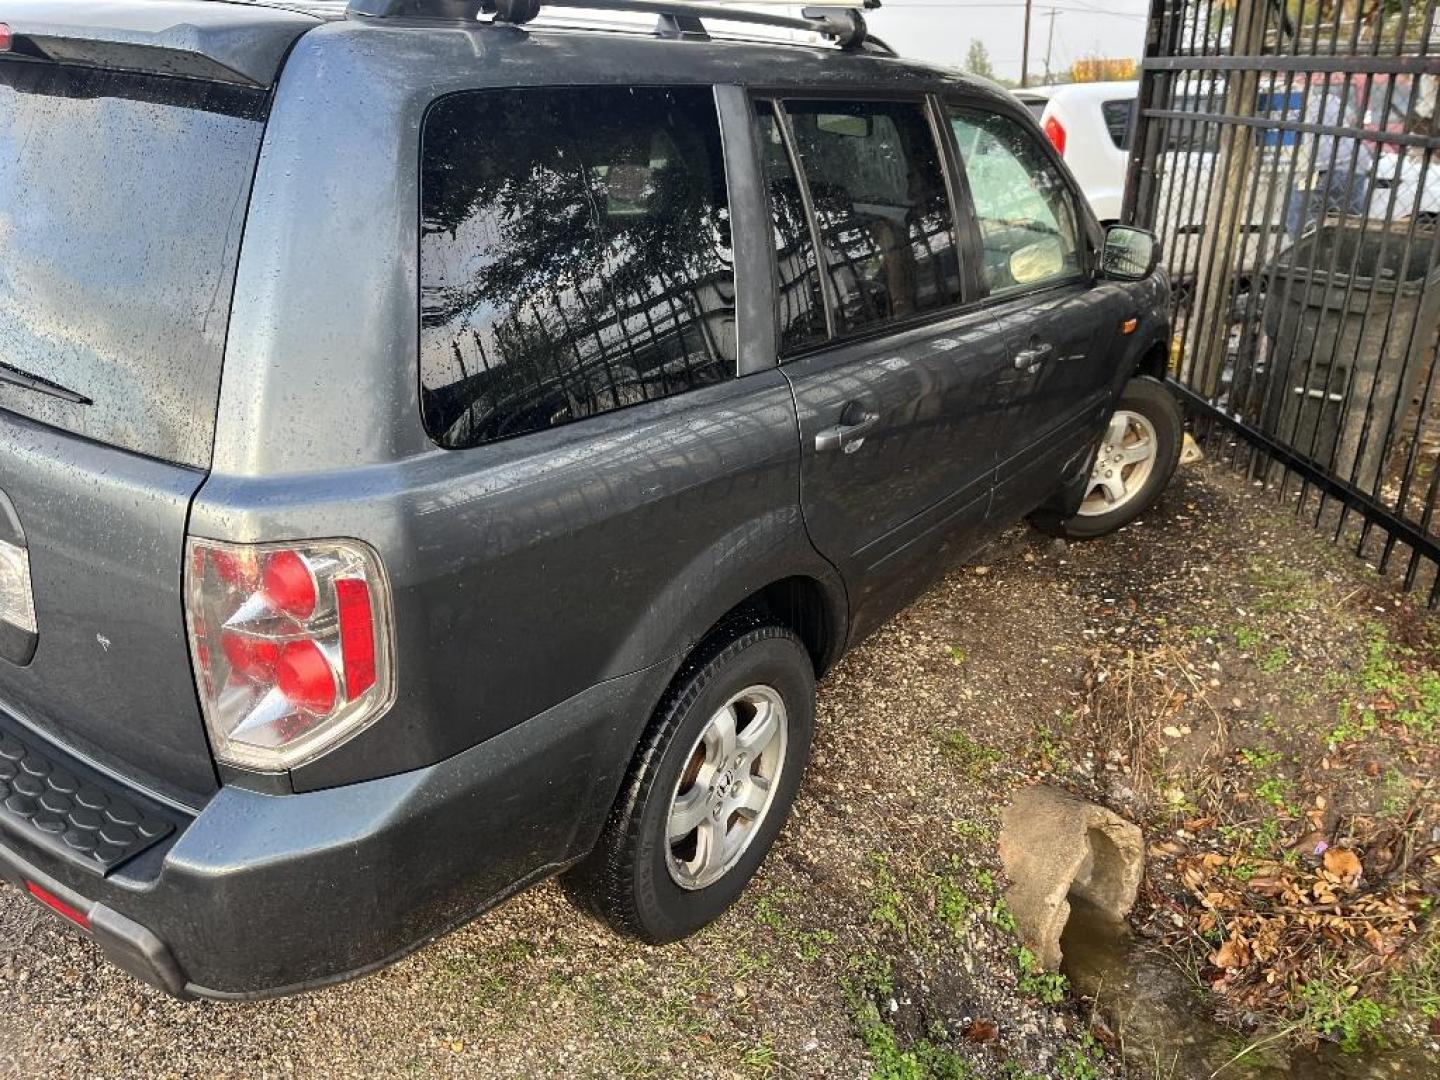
(292, 646)
(254, 658)
(357, 635)
(5, 38)
(60, 907)
(1055, 132)
(305, 678)
(289, 585)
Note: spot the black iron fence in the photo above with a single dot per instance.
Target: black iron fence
(1285, 153)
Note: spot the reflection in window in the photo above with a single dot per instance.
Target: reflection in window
(881, 207)
(799, 301)
(1023, 208)
(574, 256)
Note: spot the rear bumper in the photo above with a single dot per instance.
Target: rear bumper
(260, 895)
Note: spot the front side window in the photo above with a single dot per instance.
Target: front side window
(575, 256)
(1028, 229)
(881, 208)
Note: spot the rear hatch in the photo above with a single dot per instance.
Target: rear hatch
(123, 196)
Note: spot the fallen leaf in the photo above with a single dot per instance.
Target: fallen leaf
(1234, 954)
(1343, 863)
(982, 1030)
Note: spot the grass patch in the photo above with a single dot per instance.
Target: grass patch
(1046, 987)
(974, 759)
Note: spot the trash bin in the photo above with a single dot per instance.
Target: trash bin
(1340, 309)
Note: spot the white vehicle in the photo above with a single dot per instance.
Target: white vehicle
(1090, 124)
(1412, 184)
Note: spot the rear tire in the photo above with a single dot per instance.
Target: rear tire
(725, 752)
(1137, 457)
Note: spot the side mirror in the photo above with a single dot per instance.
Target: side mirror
(1129, 254)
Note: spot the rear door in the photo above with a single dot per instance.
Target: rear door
(122, 197)
(895, 382)
(1060, 323)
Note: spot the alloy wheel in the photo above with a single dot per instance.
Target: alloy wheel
(726, 787)
(1123, 464)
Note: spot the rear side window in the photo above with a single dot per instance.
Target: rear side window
(122, 202)
(881, 208)
(575, 256)
(1118, 116)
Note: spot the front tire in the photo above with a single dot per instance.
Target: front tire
(709, 790)
(1137, 457)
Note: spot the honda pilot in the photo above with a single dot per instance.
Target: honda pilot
(442, 448)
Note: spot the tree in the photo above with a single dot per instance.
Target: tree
(977, 60)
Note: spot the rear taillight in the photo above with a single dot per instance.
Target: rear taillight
(5, 38)
(1055, 132)
(292, 646)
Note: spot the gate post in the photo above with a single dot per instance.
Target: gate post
(1227, 219)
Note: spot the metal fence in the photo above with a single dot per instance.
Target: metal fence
(1285, 153)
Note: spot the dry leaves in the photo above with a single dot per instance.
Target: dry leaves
(1272, 919)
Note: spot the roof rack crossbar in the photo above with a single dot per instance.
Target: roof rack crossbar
(845, 26)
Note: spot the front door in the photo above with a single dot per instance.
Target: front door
(895, 382)
(1059, 322)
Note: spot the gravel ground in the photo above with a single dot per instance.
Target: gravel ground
(872, 935)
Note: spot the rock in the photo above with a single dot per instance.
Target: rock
(1190, 451)
(1053, 845)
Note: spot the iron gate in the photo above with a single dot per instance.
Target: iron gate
(1285, 153)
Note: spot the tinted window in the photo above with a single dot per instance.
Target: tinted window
(574, 256)
(800, 305)
(881, 208)
(1117, 121)
(1024, 210)
(122, 201)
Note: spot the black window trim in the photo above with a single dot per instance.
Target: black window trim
(971, 286)
(1083, 225)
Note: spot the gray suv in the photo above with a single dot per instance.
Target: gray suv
(438, 452)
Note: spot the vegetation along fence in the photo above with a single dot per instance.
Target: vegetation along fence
(1285, 153)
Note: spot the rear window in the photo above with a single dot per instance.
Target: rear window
(575, 256)
(122, 198)
(1118, 116)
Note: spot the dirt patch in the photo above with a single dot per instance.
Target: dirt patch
(875, 939)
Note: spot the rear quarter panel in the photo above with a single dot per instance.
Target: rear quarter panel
(524, 571)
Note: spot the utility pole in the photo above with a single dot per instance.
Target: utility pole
(1025, 50)
(1050, 44)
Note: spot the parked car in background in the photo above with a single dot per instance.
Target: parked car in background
(436, 457)
(1089, 124)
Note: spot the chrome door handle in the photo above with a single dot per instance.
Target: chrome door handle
(1032, 359)
(847, 437)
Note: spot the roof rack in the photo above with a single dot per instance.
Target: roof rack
(841, 23)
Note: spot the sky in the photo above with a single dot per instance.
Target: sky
(940, 31)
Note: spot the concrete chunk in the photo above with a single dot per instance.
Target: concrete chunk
(1052, 845)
